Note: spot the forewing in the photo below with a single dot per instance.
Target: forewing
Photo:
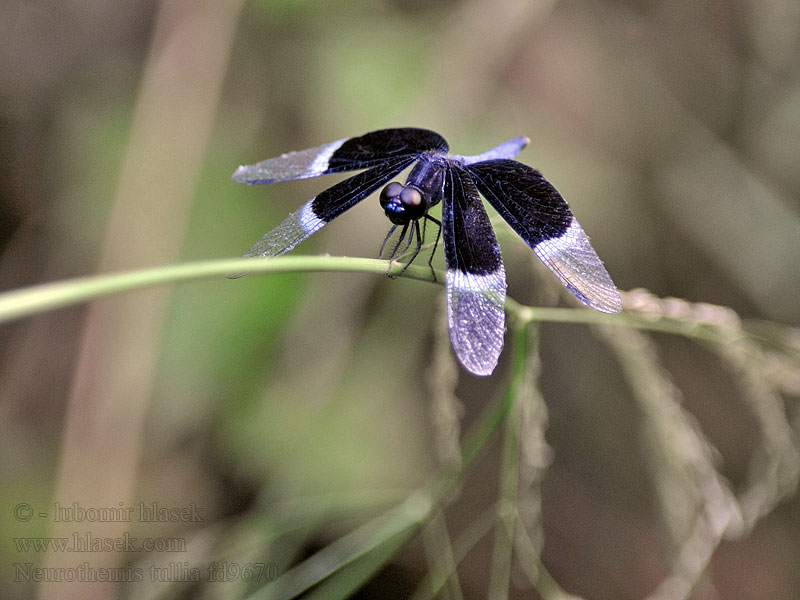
(538, 213)
(348, 154)
(321, 210)
(476, 280)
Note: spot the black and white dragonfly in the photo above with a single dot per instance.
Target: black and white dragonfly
(475, 278)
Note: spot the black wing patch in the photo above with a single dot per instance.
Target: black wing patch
(538, 213)
(476, 279)
(347, 154)
(326, 206)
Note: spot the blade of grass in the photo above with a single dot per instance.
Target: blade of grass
(509, 473)
(354, 557)
(535, 571)
(441, 560)
(464, 543)
(346, 564)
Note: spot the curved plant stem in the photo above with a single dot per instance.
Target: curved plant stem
(25, 302)
(49, 296)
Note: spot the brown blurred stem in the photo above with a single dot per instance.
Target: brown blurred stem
(111, 389)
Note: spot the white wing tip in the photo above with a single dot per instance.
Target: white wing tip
(240, 174)
(610, 305)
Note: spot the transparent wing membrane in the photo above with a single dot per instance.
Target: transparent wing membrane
(537, 212)
(476, 280)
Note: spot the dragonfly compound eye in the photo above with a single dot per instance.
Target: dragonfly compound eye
(390, 193)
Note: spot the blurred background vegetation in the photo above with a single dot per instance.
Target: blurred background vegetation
(671, 127)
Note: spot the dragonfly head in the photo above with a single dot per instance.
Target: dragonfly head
(403, 203)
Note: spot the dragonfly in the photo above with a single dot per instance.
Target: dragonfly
(475, 278)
